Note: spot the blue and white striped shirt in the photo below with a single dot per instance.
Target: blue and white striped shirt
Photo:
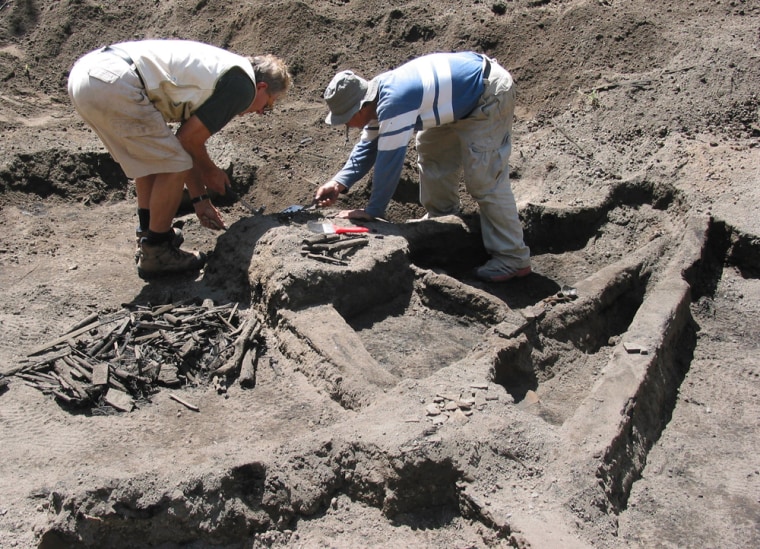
(429, 91)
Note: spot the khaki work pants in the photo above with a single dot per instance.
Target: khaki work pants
(478, 145)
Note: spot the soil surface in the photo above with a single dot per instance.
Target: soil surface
(380, 396)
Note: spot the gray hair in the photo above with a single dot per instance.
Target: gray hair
(272, 70)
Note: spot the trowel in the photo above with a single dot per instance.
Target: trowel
(329, 228)
(294, 208)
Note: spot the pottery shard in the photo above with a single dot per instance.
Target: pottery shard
(432, 410)
(451, 406)
(119, 400)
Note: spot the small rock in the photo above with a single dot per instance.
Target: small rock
(466, 403)
(531, 397)
(459, 418)
(440, 420)
(535, 312)
(633, 347)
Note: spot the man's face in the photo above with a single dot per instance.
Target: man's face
(363, 116)
(264, 100)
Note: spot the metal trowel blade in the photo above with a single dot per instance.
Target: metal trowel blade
(292, 209)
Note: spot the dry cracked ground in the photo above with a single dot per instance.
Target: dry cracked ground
(372, 392)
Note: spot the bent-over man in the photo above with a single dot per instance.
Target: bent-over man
(461, 105)
(129, 92)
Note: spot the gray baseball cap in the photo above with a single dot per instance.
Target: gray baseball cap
(345, 95)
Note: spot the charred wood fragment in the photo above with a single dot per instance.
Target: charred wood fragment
(134, 352)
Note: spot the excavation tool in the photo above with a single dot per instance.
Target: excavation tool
(299, 208)
(292, 209)
(235, 196)
(329, 228)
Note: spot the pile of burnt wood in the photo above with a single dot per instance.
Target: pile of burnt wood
(113, 361)
(333, 248)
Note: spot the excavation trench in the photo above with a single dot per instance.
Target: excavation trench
(235, 505)
(391, 399)
(595, 357)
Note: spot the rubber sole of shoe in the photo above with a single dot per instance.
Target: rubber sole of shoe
(519, 273)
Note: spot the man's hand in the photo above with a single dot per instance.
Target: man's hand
(216, 180)
(355, 214)
(192, 134)
(328, 193)
(209, 216)
(210, 177)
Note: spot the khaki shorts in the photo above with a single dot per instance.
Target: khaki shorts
(109, 96)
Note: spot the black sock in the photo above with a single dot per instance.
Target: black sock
(143, 217)
(159, 238)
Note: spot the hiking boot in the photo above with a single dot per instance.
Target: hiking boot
(162, 259)
(500, 273)
(140, 233)
(177, 239)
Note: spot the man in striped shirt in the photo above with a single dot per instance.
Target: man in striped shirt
(461, 105)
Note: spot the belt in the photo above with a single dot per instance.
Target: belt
(124, 56)
(486, 68)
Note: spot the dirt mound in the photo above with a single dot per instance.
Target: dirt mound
(390, 398)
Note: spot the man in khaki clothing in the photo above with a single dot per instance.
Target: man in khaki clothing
(128, 92)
